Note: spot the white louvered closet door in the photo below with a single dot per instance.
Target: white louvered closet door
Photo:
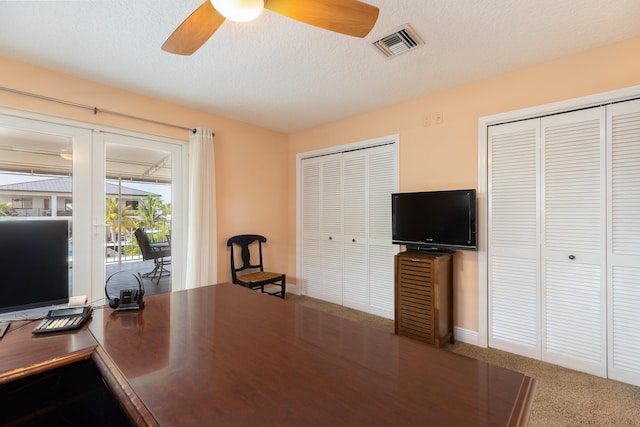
(382, 182)
(573, 262)
(513, 237)
(369, 181)
(311, 253)
(331, 231)
(623, 145)
(322, 228)
(356, 274)
(347, 255)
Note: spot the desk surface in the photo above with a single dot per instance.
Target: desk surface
(23, 354)
(225, 355)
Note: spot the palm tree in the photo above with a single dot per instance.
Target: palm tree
(112, 205)
(151, 211)
(6, 209)
(113, 214)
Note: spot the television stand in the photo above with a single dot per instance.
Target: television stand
(424, 296)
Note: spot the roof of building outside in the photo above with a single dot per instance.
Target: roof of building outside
(65, 185)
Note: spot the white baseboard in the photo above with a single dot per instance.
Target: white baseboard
(293, 288)
(466, 336)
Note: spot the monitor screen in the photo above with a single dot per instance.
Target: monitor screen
(34, 263)
(441, 219)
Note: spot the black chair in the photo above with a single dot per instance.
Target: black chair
(158, 252)
(249, 277)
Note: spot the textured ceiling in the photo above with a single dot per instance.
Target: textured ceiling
(287, 76)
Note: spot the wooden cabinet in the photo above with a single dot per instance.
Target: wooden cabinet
(423, 296)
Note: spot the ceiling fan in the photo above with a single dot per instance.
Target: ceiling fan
(350, 17)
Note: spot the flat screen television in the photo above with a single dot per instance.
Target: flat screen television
(34, 264)
(435, 220)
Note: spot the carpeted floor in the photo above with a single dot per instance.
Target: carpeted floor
(563, 397)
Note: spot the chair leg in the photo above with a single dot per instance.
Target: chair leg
(152, 274)
(157, 271)
(283, 287)
(162, 269)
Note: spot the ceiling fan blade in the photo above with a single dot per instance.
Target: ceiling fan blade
(194, 31)
(349, 17)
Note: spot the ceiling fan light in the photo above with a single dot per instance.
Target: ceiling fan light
(239, 10)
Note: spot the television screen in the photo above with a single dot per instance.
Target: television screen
(34, 264)
(435, 219)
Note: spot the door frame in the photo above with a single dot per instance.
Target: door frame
(618, 95)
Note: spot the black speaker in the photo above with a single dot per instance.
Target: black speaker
(129, 299)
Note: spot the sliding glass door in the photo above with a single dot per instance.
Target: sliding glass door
(104, 185)
(42, 165)
(136, 181)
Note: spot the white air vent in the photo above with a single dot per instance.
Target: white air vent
(399, 42)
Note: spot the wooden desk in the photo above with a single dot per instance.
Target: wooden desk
(22, 354)
(225, 355)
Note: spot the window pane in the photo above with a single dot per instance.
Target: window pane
(35, 186)
(138, 196)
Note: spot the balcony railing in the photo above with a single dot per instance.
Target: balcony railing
(123, 246)
(32, 212)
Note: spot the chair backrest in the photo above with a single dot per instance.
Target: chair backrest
(244, 241)
(143, 243)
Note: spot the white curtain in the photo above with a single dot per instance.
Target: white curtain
(202, 253)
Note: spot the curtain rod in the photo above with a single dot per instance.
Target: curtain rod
(95, 110)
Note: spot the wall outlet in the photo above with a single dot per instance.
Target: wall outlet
(427, 120)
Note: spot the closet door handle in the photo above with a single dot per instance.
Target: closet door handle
(572, 257)
(330, 238)
(353, 240)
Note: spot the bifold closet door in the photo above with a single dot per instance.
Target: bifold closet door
(513, 237)
(322, 259)
(347, 254)
(356, 271)
(546, 256)
(382, 181)
(573, 257)
(623, 258)
(368, 177)
(584, 284)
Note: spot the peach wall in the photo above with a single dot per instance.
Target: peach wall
(251, 162)
(445, 156)
(438, 156)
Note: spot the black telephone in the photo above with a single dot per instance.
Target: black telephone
(128, 299)
(63, 319)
